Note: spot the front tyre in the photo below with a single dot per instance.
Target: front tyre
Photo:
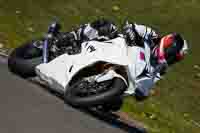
(84, 94)
(23, 60)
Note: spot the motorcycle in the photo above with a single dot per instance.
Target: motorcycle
(98, 75)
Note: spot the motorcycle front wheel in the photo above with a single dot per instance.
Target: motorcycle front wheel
(85, 94)
(23, 60)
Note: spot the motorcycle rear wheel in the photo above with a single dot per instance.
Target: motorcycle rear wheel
(23, 60)
(72, 96)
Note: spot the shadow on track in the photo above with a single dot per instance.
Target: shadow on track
(114, 119)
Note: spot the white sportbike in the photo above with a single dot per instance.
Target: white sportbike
(99, 75)
(101, 72)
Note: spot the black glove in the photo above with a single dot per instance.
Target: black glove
(161, 68)
(128, 31)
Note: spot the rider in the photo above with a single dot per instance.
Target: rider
(166, 50)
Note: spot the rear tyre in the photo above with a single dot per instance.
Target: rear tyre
(23, 60)
(86, 95)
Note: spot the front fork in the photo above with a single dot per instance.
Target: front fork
(45, 51)
(52, 30)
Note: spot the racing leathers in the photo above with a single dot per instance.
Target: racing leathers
(144, 36)
(165, 51)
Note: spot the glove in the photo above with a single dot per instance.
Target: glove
(161, 68)
(129, 33)
(162, 63)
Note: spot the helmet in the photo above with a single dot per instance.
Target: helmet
(174, 47)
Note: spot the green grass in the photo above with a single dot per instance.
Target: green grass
(175, 107)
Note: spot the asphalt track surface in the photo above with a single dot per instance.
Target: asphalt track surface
(29, 108)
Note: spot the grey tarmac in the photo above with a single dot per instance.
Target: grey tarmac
(28, 108)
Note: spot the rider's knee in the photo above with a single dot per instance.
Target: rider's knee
(143, 87)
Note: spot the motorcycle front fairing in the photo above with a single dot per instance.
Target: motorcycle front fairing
(58, 72)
